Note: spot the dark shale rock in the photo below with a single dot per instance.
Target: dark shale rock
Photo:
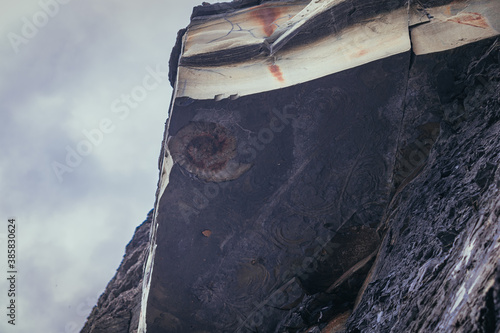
(438, 269)
(117, 310)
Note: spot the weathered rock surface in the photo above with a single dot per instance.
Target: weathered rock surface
(328, 166)
(117, 310)
(438, 269)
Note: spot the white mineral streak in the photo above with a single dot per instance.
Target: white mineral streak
(167, 165)
(312, 10)
(146, 283)
(456, 24)
(165, 168)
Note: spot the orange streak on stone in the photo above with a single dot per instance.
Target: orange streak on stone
(360, 53)
(447, 11)
(266, 16)
(472, 19)
(276, 72)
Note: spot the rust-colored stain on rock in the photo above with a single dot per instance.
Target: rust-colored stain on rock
(266, 16)
(201, 150)
(206, 233)
(276, 72)
(360, 53)
(472, 19)
(447, 11)
(207, 150)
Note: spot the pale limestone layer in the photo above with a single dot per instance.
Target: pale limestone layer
(249, 26)
(274, 24)
(381, 37)
(456, 24)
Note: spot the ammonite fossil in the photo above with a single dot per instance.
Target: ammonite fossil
(207, 150)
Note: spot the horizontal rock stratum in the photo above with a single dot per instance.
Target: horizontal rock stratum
(329, 166)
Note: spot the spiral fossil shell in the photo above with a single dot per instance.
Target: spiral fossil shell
(207, 150)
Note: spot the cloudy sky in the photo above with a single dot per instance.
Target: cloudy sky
(84, 99)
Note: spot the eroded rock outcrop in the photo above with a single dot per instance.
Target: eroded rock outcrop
(328, 166)
(438, 269)
(117, 310)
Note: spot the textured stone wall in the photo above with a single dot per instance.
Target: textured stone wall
(438, 269)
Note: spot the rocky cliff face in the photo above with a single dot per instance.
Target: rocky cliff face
(359, 192)
(438, 269)
(117, 310)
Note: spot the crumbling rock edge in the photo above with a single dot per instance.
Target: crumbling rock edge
(117, 310)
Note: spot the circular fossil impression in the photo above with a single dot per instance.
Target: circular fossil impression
(208, 150)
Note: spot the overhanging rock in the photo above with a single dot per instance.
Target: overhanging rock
(290, 130)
